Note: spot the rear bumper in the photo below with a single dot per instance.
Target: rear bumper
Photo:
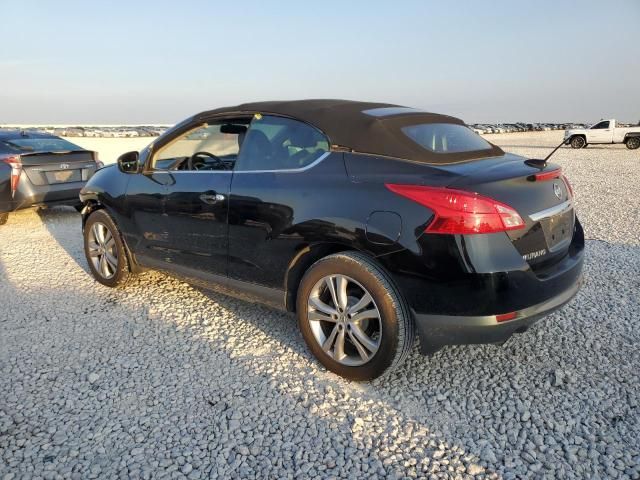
(29, 195)
(437, 331)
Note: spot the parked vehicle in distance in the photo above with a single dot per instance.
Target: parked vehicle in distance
(370, 221)
(40, 169)
(605, 131)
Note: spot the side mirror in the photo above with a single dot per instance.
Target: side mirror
(128, 162)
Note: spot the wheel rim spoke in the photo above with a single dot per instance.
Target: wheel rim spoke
(363, 302)
(363, 338)
(338, 350)
(332, 289)
(107, 238)
(103, 266)
(341, 292)
(96, 233)
(112, 261)
(319, 305)
(93, 249)
(373, 313)
(316, 316)
(364, 355)
(328, 343)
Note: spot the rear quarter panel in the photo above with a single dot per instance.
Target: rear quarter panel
(5, 188)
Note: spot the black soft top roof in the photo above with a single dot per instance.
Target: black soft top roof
(365, 127)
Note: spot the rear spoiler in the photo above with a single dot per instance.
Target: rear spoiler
(32, 158)
(58, 152)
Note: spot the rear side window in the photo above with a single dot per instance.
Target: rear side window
(446, 138)
(278, 143)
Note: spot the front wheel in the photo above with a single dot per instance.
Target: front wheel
(3, 218)
(104, 250)
(578, 142)
(632, 143)
(353, 318)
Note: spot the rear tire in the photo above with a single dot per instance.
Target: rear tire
(105, 251)
(578, 142)
(360, 337)
(3, 218)
(632, 143)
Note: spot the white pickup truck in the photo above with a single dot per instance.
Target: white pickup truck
(605, 131)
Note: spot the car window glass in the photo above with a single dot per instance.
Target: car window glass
(601, 125)
(216, 146)
(446, 137)
(278, 143)
(40, 144)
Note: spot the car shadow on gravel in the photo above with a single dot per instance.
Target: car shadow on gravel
(58, 221)
(110, 377)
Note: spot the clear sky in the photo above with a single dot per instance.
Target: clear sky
(159, 61)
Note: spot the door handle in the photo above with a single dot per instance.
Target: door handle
(212, 198)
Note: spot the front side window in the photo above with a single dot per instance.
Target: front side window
(601, 125)
(446, 137)
(207, 147)
(278, 143)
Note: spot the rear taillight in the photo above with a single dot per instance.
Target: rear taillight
(16, 169)
(461, 212)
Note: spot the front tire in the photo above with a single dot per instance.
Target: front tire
(104, 250)
(3, 218)
(353, 318)
(632, 143)
(578, 142)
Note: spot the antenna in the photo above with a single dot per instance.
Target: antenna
(564, 142)
(542, 163)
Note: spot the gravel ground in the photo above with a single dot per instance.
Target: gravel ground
(165, 380)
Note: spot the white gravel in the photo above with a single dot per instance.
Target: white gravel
(165, 380)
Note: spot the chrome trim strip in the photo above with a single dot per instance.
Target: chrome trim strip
(550, 212)
(289, 170)
(172, 172)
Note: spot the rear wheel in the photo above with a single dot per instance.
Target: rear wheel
(578, 142)
(105, 251)
(3, 218)
(632, 143)
(352, 316)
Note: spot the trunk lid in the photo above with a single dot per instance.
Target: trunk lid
(51, 168)
(545, 205)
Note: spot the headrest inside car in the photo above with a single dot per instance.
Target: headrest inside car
(233, 128)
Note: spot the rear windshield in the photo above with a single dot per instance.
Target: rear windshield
(446, 138)
(40, 144)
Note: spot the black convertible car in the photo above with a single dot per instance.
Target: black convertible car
(39, 169)
(370, 221)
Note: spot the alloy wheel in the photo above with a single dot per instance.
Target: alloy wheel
(103, 251)
(578, 142)
(344, 320)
